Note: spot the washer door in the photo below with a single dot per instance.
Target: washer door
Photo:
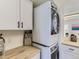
(54, 54)
(55, 24)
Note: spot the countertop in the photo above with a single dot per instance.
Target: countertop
(70, 43)
(29, 51)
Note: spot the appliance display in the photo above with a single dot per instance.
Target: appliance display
(46, 24)
(48, 52)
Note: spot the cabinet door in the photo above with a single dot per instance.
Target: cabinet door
(26, 14)
(9, 14)
(68, 52)
(66, 56)
(69, 56)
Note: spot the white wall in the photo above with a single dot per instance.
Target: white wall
(38, 2)
(68, 6)
(13, 39)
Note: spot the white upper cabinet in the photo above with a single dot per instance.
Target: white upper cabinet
(9, 14)
(15, 15)
(26, 14)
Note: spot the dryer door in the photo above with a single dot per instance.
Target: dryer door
(54, 23)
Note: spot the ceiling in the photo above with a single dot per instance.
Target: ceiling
(38, 2)
(67, 6)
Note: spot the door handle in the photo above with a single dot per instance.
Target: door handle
(22, 25)
(18, 24)
(71, 49)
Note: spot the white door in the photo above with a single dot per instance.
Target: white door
(26, 14)
(69, 56)
(9, 14)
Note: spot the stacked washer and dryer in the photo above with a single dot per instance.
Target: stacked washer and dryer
(46, 30)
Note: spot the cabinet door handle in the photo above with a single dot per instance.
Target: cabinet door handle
(22, 25)
(71, 49)
(18, 24)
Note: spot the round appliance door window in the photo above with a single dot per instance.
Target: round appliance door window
(55, 24)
